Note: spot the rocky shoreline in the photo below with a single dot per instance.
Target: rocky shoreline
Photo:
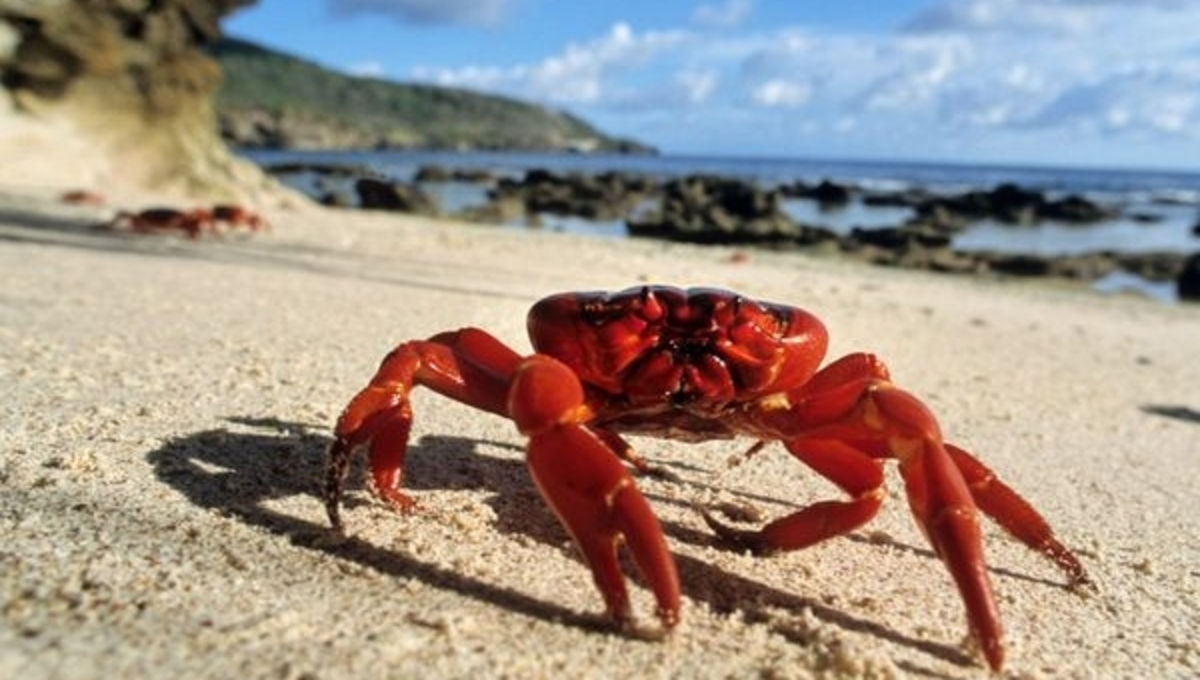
(712, 209)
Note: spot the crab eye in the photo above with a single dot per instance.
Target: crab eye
(651, 307)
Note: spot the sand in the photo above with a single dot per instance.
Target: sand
(167, 403)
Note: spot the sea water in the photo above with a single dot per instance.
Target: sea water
(1157, 210)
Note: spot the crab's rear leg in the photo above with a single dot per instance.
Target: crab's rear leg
(467, 365)
(853, 401)
(580, 475)
(1008, 509)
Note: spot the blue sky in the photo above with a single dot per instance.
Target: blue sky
(1101, 83)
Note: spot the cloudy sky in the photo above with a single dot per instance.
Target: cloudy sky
(1103, 83)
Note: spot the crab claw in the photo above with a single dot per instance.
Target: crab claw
(583, 480)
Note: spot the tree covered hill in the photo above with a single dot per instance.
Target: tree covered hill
(272, 100)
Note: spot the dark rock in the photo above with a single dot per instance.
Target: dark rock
(909, 246)
(903, 198)
(1188, 281)
(337, 199)
(496, 211)
(1019, 264)
(324, 169)
(1152, 266)
(1084, 267)
(433, 174)
(952, 261)
(605, 196)
(376, 194)
(1010, 204)
(713, 209)
(900, 238)
(441, 174)
(826, 193)
(473, 176)
(1074, 209)
(1146, 217)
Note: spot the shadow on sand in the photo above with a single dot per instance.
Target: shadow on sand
(239, 472)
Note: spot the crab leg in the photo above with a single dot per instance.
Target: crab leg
(852, 400)
(1008, 509)
(583, 480)
(856, 473)
(467, 365)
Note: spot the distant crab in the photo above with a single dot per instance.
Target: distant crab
(694, 365)
(234, 216)
(190, 222)
(82, 197)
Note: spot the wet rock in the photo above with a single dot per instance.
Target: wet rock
(1011, 204)
(903, 198)
(352, 170)
(604, 196)
(827, 193)
(713, 209)
(1074, 209)
(337, 199)
(473, 175)
(1188, 282)
(1146, 217)
(433, 174)
(1084, 267)
(495, 211)
(900, 238)
(377, 194)
(1152, 266)
(1019, 264)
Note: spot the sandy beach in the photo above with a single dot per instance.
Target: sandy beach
(167, 404)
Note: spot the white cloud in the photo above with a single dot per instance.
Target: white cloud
(478, 12)
(697, 86)
(1141, 102)
(781, 93)
(727, 15)
(922, 68)
(977, 16)
(581, 73)
(1078, 70)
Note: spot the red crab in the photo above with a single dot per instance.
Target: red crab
(190, 222)
(82, 197)
(694, 364)
(235, 216)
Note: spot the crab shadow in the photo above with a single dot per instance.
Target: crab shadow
(238, 473)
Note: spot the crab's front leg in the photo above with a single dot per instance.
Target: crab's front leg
(467, 365)
(583, 480)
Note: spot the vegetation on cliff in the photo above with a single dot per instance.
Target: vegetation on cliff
(273, 100)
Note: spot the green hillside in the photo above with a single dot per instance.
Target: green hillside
(270, 99)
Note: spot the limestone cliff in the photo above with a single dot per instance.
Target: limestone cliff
(115, 93)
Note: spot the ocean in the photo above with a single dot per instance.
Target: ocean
(1159, 210)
